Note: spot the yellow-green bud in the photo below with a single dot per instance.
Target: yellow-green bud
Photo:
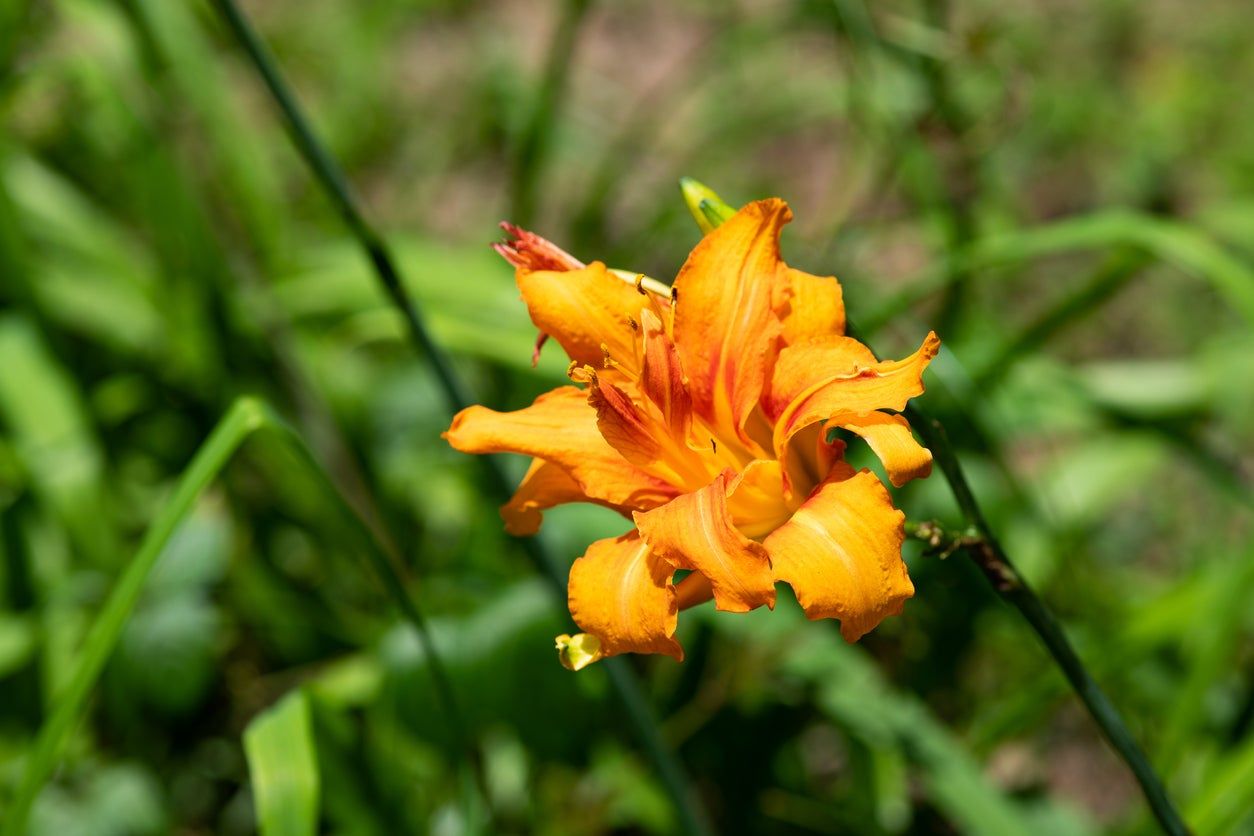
(578, 651)
(707, 208)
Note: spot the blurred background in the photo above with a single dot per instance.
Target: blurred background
(1061, 190)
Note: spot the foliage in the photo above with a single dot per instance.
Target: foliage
(1063, 202)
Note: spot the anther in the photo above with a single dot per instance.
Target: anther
(582, 374)
(640, 285)
(714, 445)
(674, 295)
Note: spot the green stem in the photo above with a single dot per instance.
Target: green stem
(245, 418)
(333, 182)
(982, 546)
(329, 176)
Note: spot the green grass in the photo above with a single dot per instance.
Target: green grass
(195, 646)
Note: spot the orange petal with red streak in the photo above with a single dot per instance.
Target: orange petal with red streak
(841, 553)
(662, 377)
(623, 424)
(726, 324)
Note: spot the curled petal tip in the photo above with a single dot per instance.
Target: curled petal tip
(528, 251)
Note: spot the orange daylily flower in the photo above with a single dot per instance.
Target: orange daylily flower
(703, 416)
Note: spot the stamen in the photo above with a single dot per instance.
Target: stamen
(652, 286)
(581, 374)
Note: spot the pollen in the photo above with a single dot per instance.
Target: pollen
(581, 373)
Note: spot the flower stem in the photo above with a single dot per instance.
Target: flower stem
(982, 547)
(326, 171)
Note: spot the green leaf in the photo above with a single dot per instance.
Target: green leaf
(852, 693)
(1227, 799)
(245, 418)
(1182, 246)
(43, 409)
(283, 767)
(17, 642)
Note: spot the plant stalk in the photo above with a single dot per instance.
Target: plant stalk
(986, 552)
(329, 176)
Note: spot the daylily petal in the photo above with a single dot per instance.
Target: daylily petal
(725, 322)
(642, 440)
(623, 424)
(756, 500)
(809, 462)
(662, 377)
(621, 592)
(529, 251)
(693, 590)
(561, 427)
(545, 485)
(584, 310)
(887, 385)
(890, 438)
(695, 531)
(841, 553)
(816, 307)
(800, 366)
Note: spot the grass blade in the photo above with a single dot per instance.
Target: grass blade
(1174, 243)
(242, 421)
(1228, 797)
(283, 767)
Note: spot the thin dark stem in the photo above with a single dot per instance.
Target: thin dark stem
(331, 178)
(982, 546)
